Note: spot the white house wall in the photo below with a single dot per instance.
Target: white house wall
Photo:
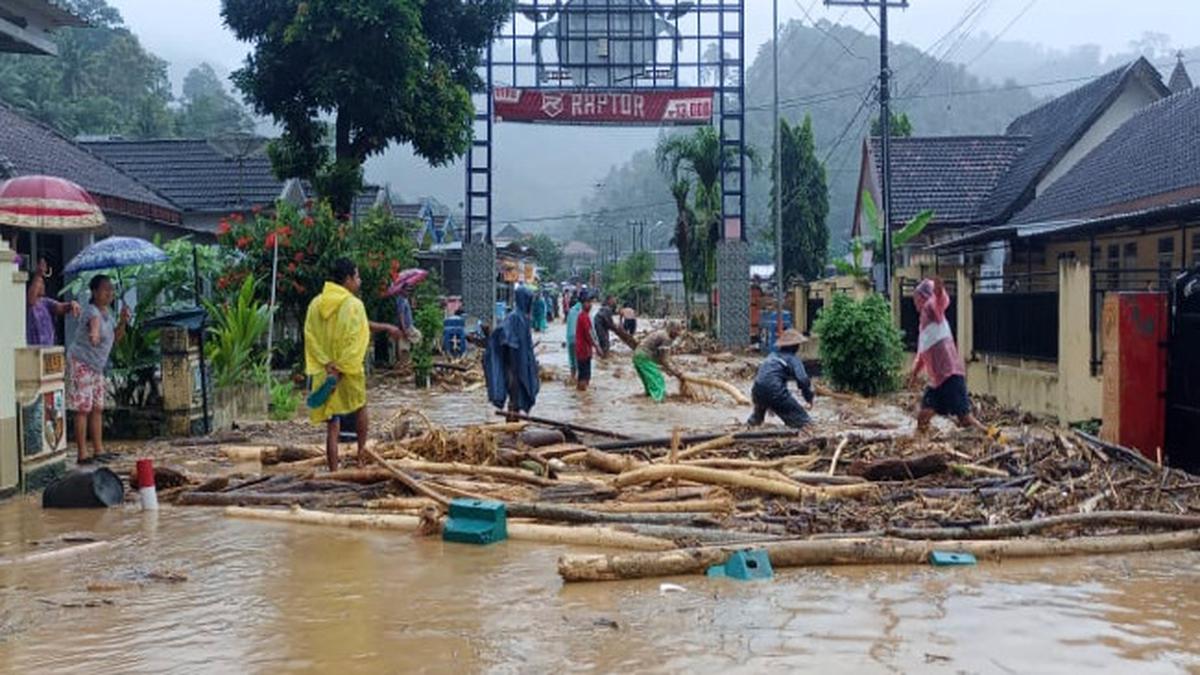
(1133, 97)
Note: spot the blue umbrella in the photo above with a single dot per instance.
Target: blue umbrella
(114, 253)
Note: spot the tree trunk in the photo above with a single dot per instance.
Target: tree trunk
(594, 536)
(738, 479)
(858, 552)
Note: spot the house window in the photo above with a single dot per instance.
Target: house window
(1129, 260)
(1166, 260)
(1196, 250)
(1114, 264)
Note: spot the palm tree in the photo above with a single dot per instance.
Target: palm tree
(682, 240)
(699, 157)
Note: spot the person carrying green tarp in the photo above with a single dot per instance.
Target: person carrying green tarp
(650, 359)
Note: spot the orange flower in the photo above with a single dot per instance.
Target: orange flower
(222, 228)
(308, 221)
(243, 242)
(299, 257)
(237, 218)
(291, 267)
(256, 209)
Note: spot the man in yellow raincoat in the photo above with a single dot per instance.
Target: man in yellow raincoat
(336, 337)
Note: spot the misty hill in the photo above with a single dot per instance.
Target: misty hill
(829, 72)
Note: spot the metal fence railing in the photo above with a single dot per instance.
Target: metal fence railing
(1016, 314)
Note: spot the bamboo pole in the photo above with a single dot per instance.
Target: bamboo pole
(688, 506)
(882, 551)
(603, 461)
(733, 391)
(1024, 528)
(502, 472)
(715, 444)
(410, 482)
(737, 479)
(837, 454)
(586, 535)
(42, 556)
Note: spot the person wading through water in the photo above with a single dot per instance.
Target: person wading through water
(572, 321)
(336, 337)
(585, 345)
(770, 391)
(509, 365)
(651, 358)
(937, 357)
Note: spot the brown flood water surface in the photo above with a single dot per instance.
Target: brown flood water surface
(270, 597)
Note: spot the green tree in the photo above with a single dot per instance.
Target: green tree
(208, 109)
(384, 71)
(697, 158)
(901, 126)
(548, 253)
(629, 279)
(805, 199)
(860, 347)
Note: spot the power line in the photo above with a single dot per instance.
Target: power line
(1025, 10)
(853, 118)
(829, 33)
(973, 14)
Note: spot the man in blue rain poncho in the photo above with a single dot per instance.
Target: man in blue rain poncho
(770, 391)
(509, 364)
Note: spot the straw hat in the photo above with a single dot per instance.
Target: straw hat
(791, 338)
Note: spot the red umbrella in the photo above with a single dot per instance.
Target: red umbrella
(47, 203)
(406, 279)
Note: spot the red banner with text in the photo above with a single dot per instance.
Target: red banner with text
(634, 108)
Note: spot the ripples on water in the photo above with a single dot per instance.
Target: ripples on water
(265, 597)
(269, 598)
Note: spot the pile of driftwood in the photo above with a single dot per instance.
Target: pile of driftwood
(686, 502)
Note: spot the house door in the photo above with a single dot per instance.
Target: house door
(1183, 375)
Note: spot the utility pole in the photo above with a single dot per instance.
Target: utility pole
(777, 170)
(885, 123)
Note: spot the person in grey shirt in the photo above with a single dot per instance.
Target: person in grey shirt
(87, 358)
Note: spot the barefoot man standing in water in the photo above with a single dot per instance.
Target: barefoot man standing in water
(336, 337)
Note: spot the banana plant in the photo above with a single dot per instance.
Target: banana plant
(900, 238)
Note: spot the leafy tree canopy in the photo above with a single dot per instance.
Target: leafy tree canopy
(384, 71)
(805, 201)
(208, 109)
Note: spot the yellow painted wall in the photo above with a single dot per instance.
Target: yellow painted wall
(1147, 250)
(1066, 389)
(12, 336)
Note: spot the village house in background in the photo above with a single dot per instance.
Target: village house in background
(1094, 193)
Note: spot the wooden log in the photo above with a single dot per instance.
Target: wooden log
(737, 463)
(688, 506)
(360, 476)
(662, 441)
(603, 461)
(542, 438)
(670, 494)
(837, 454)
(401, 504)
(65, 552)
(501, 472)
(409, 482)
(909, 468)
(562, 450)
(880, 551)
(266, 498)
(980, 470)
(699, 448)
(694, 535)
(1027, 527)
(586, 535)
(811, 478)
(733, 391)
(568, 514)
(245, 453)
(289, 453)
(736, 479)
(564, 425)
(503, 427)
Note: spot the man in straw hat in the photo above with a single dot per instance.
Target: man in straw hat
(770, 391)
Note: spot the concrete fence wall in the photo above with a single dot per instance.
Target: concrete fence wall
(1065, 388)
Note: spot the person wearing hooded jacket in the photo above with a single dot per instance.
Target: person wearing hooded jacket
(938, 358)
(510, 367)
(336, 337)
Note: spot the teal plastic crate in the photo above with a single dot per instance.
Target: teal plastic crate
(474, 521)
(745, 565)
(948, 558)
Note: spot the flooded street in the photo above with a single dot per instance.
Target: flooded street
(270, 597)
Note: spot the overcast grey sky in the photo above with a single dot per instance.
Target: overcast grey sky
(186, 32)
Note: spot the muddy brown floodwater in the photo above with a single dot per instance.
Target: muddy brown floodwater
(269, 597)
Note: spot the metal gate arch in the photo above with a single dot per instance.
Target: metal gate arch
(621, 47)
